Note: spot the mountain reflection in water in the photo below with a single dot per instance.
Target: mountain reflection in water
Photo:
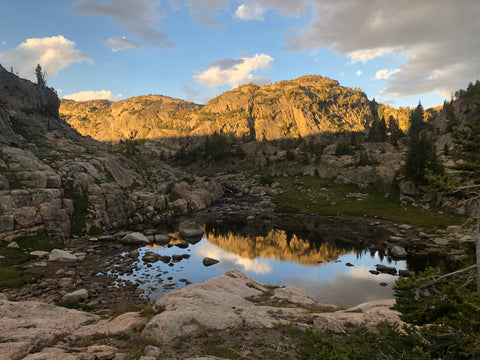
(278, 244)
(314, 261)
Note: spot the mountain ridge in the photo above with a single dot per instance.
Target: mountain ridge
(301, 107)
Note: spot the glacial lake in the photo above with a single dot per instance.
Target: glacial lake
(312, 256)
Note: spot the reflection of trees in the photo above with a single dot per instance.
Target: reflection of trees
(277, 244)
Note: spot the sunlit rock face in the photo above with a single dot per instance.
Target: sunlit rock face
(302, 107)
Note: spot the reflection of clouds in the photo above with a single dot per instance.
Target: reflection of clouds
(343, 289)
(258, 266)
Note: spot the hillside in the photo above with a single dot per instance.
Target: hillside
(55, 181)
(151, 116)
(306, 106)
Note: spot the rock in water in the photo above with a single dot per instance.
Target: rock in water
(190, 229)
(150, 256)
(135, 238)
(386, 269)
(209, 261)
(398, 252)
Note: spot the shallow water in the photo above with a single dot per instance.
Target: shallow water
(314, 261)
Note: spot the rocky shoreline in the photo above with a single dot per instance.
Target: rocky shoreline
(87, 270)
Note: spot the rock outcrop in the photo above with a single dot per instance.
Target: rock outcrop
(233, 300)
(33, 330)
(54, 180)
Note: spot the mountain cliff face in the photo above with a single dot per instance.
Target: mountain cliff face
(142, 117)
(305, 106)
(54, 180)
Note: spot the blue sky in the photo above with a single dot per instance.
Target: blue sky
(398, 51)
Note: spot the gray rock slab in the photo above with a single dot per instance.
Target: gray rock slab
(61, 255)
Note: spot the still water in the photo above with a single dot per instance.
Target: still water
(312, 257)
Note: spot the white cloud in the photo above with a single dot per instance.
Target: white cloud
(52, 53)
(234, 72)
(438, 39)
(385, 74)
(369, 54)
(359, 72)
(93, 95)
(140, 17)
(250, 11)
(117, 43)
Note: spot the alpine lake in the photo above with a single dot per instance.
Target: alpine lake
(331, 258)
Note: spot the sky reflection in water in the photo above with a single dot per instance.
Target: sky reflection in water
(329, 282)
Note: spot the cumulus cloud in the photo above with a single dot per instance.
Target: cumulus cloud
(369, 54)
(234, 72)
(250, 11)
(120, 43)
(93, 95)
(385, 74)
(359, 72)
(52, 53)
(438, 39)
(140, 17)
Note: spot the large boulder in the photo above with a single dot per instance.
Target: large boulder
(190, 229)
(76, 296)
(61, 255)
(135, 238)
(398, 252)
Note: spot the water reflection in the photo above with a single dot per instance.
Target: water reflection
(313, 259)
(278, 244)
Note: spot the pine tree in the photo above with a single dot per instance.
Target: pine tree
(40, 75)
(421, 155)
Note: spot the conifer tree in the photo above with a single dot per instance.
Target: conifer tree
(40, 75)
(421, 155)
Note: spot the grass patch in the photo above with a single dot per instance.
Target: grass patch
(80, 204)
(74, 305)
(307, 194)
(12, 276)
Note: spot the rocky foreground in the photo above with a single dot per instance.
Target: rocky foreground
(251, 314)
